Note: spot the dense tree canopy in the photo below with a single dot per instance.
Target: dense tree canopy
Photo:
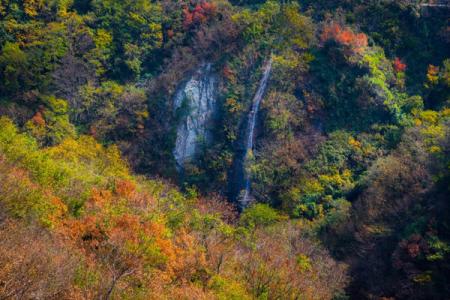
(348, 175)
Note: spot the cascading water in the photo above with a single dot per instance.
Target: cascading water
(240, 191)
(251, 126)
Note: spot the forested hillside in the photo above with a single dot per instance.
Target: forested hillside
(224, 149)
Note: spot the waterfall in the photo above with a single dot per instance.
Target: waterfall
(251, 127)
(240, 185)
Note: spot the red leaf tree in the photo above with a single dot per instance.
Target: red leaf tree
(198, 14)
(357, 42)
(399, 65)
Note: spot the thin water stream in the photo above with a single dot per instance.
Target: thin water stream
(244, 196)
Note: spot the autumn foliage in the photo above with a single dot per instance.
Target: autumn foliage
(198, 13)
(356, 42)
(98, 232)
(38, 119)
(399, 65)
(348, 172)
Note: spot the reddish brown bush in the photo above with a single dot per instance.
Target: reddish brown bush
(399, 65)
(200, 13)
(38, 119)
(125, 188)
(34, 264)
(357, 42)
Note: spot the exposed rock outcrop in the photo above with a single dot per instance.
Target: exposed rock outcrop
(196, 101)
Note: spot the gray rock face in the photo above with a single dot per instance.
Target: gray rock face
(198, 97)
